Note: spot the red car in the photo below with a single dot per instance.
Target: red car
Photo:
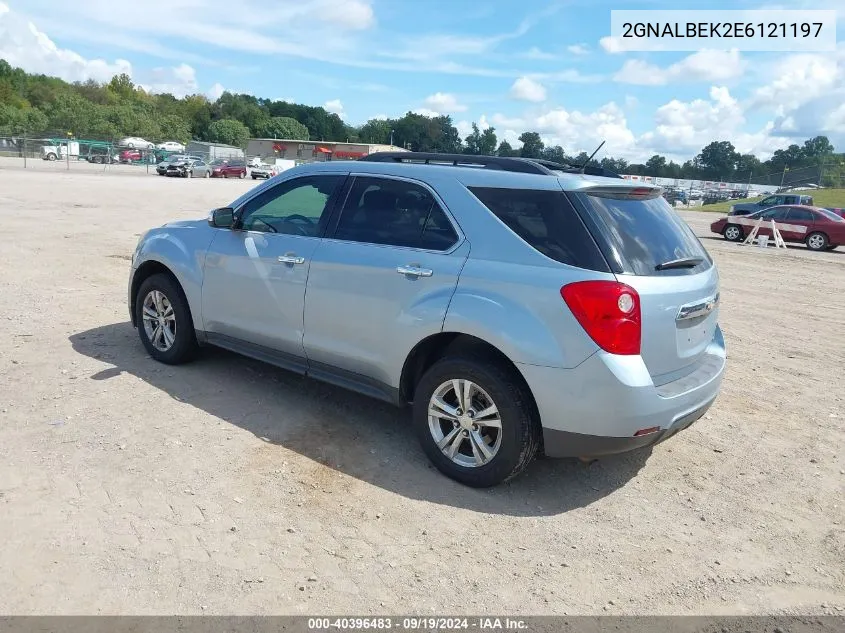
(837, 211)
(130, 155)
(818, 228)
(228, 168)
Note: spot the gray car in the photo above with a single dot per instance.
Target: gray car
(515, 306)
(188, 168)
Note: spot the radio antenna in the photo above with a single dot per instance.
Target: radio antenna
(586, 162)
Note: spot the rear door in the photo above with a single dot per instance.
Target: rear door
(381, 280)
(651, 249)
(798, 224)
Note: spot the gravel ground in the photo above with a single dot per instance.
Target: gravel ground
(227, 486)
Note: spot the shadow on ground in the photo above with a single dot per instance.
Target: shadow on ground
(352, 434)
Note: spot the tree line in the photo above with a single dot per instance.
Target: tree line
(47, 106)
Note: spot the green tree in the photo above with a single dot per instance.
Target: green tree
(532, 145)
(656, 165)
(505, 149)
(376, 131)
(283, 127)
(616, 165)
(555, 154)
(717, 160)
(747, 165)
(816, 148)
(229, 132)
(121, 85)
(481, 143)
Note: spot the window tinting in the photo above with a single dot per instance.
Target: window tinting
(395, 212)
(294, 207)
(802, 215)
(645, 233)
(776, 213)
(547, 221)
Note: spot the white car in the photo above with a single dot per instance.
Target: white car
(171, 146)
(134, 142)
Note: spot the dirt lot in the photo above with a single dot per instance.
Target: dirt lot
(228, 486)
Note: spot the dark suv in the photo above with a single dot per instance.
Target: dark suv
(744, 208)
(228, 168)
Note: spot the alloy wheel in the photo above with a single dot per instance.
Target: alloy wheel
(159, 320)
(465, 423)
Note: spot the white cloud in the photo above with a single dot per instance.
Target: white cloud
(526, 89)
(179, 81)
(426, 112)
(536, 53)
(334, 106)
(380, 117)
(444, 103)
(215, 91)
(800, 78)
(578, 49)
(464, 128)
(631, 102)
(704, 66)
(24, 46)
(612, 44)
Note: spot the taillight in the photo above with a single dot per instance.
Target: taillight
(609, 312)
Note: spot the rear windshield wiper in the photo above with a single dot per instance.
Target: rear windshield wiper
(684, 262)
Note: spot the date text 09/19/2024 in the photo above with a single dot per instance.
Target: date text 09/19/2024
(426, 623)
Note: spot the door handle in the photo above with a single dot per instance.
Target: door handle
(291, 259)
(414, 271)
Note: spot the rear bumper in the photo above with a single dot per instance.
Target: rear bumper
(596, 408)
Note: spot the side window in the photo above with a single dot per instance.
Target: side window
(395, 212)
(775, 213)
(767, 202)
(800, 215)
(295, 207)
(547, 221)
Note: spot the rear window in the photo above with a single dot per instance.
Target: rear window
(547, 221)
(830, 215)
(645, 234)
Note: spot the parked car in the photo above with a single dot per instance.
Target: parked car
(171, 146)
(101, 155)
(818, 228)
(228, 168)
(130, 156)
(189, 168)
(583, 318)
(746, 208)
(135, 142)
(263, 170)
(161, 167)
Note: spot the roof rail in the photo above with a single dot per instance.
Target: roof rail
(510, 163)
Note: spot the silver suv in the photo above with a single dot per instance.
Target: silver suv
(516, 306)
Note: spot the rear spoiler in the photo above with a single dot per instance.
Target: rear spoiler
(638, 192)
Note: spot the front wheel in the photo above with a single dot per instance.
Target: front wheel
(164, 320)
(475, 420)
(817, 241)
(733, 233)
(242, 175)
(207, 174)
(51, 157)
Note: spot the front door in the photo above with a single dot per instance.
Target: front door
(254, 277)
(381, 281)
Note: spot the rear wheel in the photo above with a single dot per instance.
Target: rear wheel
(733, 233)
(207, 174)
(817, 241)
(242, 175)
(164, 320)
(475, 420)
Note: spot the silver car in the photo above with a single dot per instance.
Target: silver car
(188, 168)
(516, 306)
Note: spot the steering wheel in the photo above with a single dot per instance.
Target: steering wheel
(300, 222)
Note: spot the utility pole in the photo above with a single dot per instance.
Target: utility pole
(23, 149)
(783, 176)
(391, 138)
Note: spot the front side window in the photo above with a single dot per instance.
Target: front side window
(777, 213)
(295, 207)
(394, 212)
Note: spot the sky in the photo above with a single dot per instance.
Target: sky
(543, 65)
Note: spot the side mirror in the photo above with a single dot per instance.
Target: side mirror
(223, 218)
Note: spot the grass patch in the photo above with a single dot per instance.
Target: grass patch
(821, 198)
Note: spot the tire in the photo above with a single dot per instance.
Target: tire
(242, 175)
(817, 241)
(516, 441)
(255, 177)
(207, 174)
(733, 233)
(189, 173)
(51, 157)
(831, 247)
(183, 345)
